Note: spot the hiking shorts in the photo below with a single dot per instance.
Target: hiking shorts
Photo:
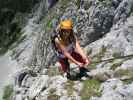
(65, 66)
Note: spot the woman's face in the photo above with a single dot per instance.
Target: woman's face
(66, 33)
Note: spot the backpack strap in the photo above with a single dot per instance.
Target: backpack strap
(53, 36)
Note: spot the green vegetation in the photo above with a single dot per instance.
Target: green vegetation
(92, 66)
(52, 91)
(6, 41)
(91, 88)
(64, 4)
(128, 81)
(61, 7)
(8, 91)
(49, 24)
(98, 57)
(77, 2)
(115, 65)
(69, 87)
(12, 18)
(10, 30)
(21, 39)
(52, 95)
(53, 71)
(116, 54)
(88, 51)
(124, 72)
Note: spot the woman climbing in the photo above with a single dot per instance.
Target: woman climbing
(68, 47)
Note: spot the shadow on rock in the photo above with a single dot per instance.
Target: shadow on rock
(73, 75)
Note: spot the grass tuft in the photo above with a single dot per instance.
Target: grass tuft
(8, 91)
(69, 87)
(91, 88)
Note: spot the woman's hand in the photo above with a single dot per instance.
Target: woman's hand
(87, 61)
(80, 64)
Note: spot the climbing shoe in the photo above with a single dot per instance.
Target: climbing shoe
(84, 73)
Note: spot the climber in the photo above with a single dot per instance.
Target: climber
(68, 47)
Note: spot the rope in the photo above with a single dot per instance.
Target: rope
(108, 60)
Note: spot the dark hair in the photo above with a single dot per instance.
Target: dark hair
(67, 36)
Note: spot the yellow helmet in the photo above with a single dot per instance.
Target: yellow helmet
(66, 24)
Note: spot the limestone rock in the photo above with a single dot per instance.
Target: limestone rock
(40, 84)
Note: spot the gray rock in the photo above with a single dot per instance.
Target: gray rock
(78, 86)
(114, 89)
(127, 65)
(95, 19)
(39, 85)
(101, 74)
(64, 98)
(58, 84)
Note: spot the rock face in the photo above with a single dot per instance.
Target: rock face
(103, 16)
(105, 28)
(114, 89)
(39, 84)
(13, 15)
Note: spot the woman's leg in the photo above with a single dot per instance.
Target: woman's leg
(77, 57)
(65, 66)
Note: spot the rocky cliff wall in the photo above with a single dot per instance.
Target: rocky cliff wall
(105, 28)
